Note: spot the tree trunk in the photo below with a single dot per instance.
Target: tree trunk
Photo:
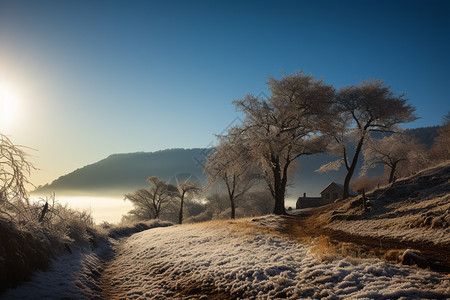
(279, 203)
(180, 216)
(391, 175)
(279, 188)
(349, 175)
(351, 169)
(44, 211)
(364, 199)
(233, 209)
(231, 190)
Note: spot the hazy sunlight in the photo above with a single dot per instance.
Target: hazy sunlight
(101, 208)
(8, 107)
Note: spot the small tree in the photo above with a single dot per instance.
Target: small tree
(257, 202)
(360, 110)
(232, 165)
(440, 151)
(149, 202)
(216, 203)
(14, 170)
(285, 126)
(185, 189)
(389, 151)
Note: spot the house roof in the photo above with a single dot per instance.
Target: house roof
(341, 187)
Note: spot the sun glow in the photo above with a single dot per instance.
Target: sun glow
(8, 107)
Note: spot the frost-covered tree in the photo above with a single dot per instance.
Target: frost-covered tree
(183, 190)
(231, 164)
(257, 202)
(14, 171)
(440, 151)
(360, 110)
(391, 151)
(285, 126)
(148, 203)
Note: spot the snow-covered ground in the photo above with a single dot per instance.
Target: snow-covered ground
(71, 276)
(247, 263)
(414, 209)
(395, 225)
(236, 258)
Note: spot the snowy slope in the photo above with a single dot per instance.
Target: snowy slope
(71, 276)
(247, 263)
(240, 259)
(414, 209)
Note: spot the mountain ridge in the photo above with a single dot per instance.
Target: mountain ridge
(120, 173)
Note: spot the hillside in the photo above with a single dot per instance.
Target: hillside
(241, 259)
(414, 213)
(414, 209)
(398, 249)
(121, 173)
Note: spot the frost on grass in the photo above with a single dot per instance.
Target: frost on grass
(238, 259)
(416, 208)
(71, 276)
(244, 262)
(78, 275)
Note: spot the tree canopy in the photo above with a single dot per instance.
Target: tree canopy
(360, 110)
(149, 203)
(232, 165)
(285, 126)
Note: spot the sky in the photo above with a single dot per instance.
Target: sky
(81, 80)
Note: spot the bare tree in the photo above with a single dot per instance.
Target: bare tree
(14, 171)
(369, 107)
(440, 151)
(390, 151)
(149, 202)
(232, 165)
(285, 126)
(183, 190)
(217, 203)
(257, 202)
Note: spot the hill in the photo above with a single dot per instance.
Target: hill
(336, 252)
(122, 173)
(416, 209)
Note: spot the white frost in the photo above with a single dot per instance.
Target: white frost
(236, 259)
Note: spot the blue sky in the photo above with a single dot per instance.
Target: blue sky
(92, 78)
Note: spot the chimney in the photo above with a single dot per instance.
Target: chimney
(304, 195)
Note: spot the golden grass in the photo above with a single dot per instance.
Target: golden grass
(240, 228)
(323, 248)
(393, 255)
(326, 249)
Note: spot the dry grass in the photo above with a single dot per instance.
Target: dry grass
(309, 232)
(323, 248)
(251, 231)
(240, 228)
(326, 249)
(393, 255)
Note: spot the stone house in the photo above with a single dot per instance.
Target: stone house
(328, 195)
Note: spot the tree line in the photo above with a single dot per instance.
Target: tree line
(306, 116)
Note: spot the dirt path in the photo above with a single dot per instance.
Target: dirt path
(115, 283)
(305, 226)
